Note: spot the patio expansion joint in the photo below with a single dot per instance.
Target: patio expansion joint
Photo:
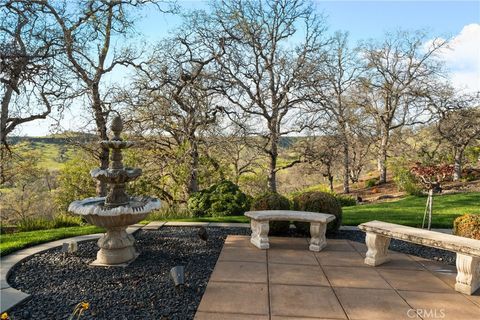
(396, 291)
(268, 288)
(433, 273)
(332, 288)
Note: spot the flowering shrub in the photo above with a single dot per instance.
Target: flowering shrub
(431, 176)
(467, 226)
(78, 310)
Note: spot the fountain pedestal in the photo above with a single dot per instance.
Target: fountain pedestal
(117, 210)
(116, 247)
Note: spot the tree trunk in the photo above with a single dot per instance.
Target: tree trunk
(4, 115)
(7, 97)
(3, 162)
(272, 173)
(101, 122)
(330, 182)
(382, 157)
(346, 167)
(457, 173)
(193, 177)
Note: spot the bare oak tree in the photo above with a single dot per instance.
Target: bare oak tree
(238, 152)
(31, 79)
(460, 128)
(322, 153)
(269, 51)
(398, 72)
(174, 88)
(88, 29)
(331, 103)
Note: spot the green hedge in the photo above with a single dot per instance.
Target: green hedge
(273, 201)
(221, 199)
(318, 202)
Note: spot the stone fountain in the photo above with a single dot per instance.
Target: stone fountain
(117, 210)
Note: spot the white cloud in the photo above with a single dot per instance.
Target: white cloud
(462, 58)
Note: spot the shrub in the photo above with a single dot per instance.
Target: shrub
(317, 188)
(273, 201)
(405, 181)
(32, 224)
(221, 199)
(467, 226)
(371, 182)
(75, 181)
(403, 178)
(318, 202)
(43, 223)
(345, 201)
(65, 220)
(169, 211)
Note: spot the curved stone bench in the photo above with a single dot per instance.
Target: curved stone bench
(259, 224)
(378, 235)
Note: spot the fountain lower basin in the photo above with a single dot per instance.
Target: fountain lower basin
(116, 245)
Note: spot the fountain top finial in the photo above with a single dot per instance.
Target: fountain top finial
(117, 127)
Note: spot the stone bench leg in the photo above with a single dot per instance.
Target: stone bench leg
(468, 274)
(317, 232)
(259, 236)
(377, 249)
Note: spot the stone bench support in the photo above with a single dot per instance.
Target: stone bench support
(377, 249)
(259, 234)
(378, 235)
(468, 273)
(260, 226)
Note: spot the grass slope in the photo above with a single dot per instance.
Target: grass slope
(409, 210)
(16, 241)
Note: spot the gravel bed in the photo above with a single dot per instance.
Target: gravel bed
(143, 290)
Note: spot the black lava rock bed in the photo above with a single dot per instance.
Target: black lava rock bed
(143, 290)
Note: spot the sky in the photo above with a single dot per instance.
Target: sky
(458, 21)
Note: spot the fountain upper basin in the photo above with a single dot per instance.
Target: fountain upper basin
(96, 206)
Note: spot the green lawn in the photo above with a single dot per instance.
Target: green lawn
(409, 211)
(16, 241)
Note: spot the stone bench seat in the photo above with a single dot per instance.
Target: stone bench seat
(259, 221)
(378, 235)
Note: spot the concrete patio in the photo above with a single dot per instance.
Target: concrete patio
(289, 282)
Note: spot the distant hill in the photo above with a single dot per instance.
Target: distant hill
(55, 149)
(60, 139)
